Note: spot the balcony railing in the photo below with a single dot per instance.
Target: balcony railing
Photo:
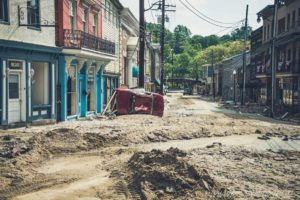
(263, 69)
(287, 67)
(78, 39)
(282, 67)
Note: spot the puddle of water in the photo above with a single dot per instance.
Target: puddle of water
(248, 141)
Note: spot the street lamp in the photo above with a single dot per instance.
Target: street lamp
(234, 83)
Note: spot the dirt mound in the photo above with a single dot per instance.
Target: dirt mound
(168, 175)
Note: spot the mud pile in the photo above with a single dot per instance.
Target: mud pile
(168, 175)
(11, 147)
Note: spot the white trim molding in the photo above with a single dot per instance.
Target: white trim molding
(4, 67)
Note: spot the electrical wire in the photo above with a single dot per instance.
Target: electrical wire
(212, 23)
(216, 21)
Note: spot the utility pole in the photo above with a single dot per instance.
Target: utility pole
(213, 75)
(274, 56)
(162, 45)
(142, 44)
(245, 57)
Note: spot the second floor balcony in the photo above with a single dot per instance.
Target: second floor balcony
(77, 39)
(287, 67)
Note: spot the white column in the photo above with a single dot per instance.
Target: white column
(29, 89)
(4, 100)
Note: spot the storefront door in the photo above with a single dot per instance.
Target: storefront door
(14, 92)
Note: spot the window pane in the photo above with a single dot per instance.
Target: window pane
(3, 10)
(13, 86)
(33, 13)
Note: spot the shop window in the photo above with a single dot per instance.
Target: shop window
(263, 95)
(33, 13)
(71, 92)
(287, 91)
(3, 10)
(40, 83)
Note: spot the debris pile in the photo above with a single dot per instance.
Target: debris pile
(168, 175)
(12, 147)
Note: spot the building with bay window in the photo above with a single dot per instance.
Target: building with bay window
(28, 61)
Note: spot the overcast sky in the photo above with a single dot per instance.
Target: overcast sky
(227, 11)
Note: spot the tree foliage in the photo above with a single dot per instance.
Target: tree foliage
(186, 54)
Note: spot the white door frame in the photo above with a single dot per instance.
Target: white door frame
(22, 89)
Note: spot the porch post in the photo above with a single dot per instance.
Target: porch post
(82, 70)
(4, 93)
(52, 90)
(28, 76)
(64, 65)
(98, 89)
(101, 74)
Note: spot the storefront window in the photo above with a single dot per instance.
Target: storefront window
(71, 92)
(40, 83)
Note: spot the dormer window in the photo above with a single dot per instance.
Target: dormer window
(33, 13)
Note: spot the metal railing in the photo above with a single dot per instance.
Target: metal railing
(287, 67)
(78, 39)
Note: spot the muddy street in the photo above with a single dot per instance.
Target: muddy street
(196, 151)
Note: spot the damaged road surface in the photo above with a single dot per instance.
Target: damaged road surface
(196, 151)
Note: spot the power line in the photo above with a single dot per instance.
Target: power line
(212, 23)
(216, 21)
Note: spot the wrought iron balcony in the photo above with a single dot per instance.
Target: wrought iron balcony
(77, 39)
(287, 67)
(263, 69)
